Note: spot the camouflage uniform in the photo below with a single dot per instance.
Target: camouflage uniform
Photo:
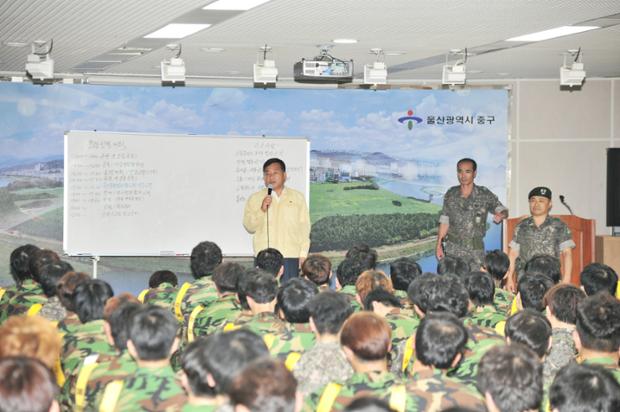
(202, 292)
(607, 363)
(163, 295)
(428, 391)
(487, 316)
(53, 310)
(503, 300)
(550, 238)
(209, 319)
(467, 220)
(84, 340)
(151, 389)
(318, 366)
(199, 408)
(351, 292)
(69, 324)
(7, 293)
(404, 324)
(26, 295)
(562, 352)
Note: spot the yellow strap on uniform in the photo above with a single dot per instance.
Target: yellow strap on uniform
(269, 340)
(110, 396)
(229, 327)
(179, 300)
(514, 308)
(499, 328)
(408, 354)
(34, 309)
(80, 385)
(617, 291)
(328, 397)
(398, 398)
(58, 373)
(142, 295)
(291, 360)
(2, 292)
(192, 320)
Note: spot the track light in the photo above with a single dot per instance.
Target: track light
(39, 63)
(265, 73)
(573, 75)
(455, 73)
(173, 69)
(376, 73)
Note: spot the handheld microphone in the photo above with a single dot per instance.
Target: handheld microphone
(566, 204)
(269, 189)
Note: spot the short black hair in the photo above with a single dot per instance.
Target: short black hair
(226, 275)
(584, 388)
(363, 253)
(20, 262)
(562, 301)
(153, 331)
(598, 323)
(27, 385)
(163, 276)
(242, 285)
(50, 274)
(40, 258)
(349, 270)
(496, 263)
(532, 289)
(440, 337)
(262, 287)
(597, 277)
(480, 287)
(194, 364)
(467, 159)
(368, 404)
(329, 310)
(120, 322)
(439, 293)
(403, 271)
(229, 353)
(544, 265)
(530, 328)
(382, 296)
(455, 265)
(89, 299)
(512, 375)
(317, 269)
(273, 160)
(293, 299)
(204, 258)
(270, 260)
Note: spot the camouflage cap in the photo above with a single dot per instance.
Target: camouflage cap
(540, 191)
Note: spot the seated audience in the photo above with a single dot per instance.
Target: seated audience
(597, 277)
(49, 276)
(545, 265)
(453, 265)
(271, 261)
(481, 290)
(496, 263)
(31, 336)
(370, 280)
(584, 388)
(318, 270)
(531, 290)
(529, 328)
(402, 272)
(27, 385)
(65, 290)
(162, 289)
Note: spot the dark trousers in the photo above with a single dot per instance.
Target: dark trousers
(291, 269)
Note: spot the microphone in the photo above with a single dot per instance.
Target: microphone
(269, 189)
(566, 204)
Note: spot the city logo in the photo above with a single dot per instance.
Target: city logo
(410, 118)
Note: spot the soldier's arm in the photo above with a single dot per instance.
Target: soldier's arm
(441, 233)
(496, 208)
(511, 275)
(567, 264)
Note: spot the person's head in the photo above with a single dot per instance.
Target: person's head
(196, 378)
(380, 296)
(540, 201)
(270, 260)
(363, 253)
(274, 173)
(293, 299)
(584, 388)
(118, 313)
(50, 274)
(562, 300)
(317, 269)
(496, 263)
(152, 334)
(265, 385)
(366, 336)
(403, 271)
(31, 336)
(440, 340)
(349, 270)
(532, 289)
(598, 324)
(480, 287)
(328, 311)
(434, 293)
(229, 352)
(370, 280)
(510, 378)
(530, 328)
(454, 265)
(204, 258)
(40, 258)
(226, 275)
(20, 262)
(261, 288)
(544, 265)
(242, 285)
(598, 277)
(368, 404)
(466, 170)
(90, 298)
(66, 285)
(27, 385)
(163, 276)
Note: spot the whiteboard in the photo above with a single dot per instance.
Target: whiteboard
(135, 194)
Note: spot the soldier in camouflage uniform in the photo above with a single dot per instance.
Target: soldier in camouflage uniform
(540, 234)
(584, 388)
(153, 386)
(485, 312)
(49, 276)
(162, 289)
(463, 219)
(496, 263)
(20, 271)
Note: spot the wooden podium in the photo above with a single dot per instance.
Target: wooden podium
(583, 231)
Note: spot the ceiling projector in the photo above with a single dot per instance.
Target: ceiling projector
(323, 69)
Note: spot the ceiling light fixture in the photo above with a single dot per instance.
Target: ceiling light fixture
(344, 41)
(376, 73)
(265, 73)
(213, 49)
(455, 73)
(552, 33)
(234, 4)
(173, 69)
(176, 31)
(39, 63)
(573, 75)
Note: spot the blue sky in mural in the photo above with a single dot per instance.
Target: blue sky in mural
(33, 119)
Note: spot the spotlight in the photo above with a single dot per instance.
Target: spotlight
(265, 73)
(376, 73)
(455, 73)
(39, 63)
(574, 75)
(173, 69)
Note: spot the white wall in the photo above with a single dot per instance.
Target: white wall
(559, 139)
